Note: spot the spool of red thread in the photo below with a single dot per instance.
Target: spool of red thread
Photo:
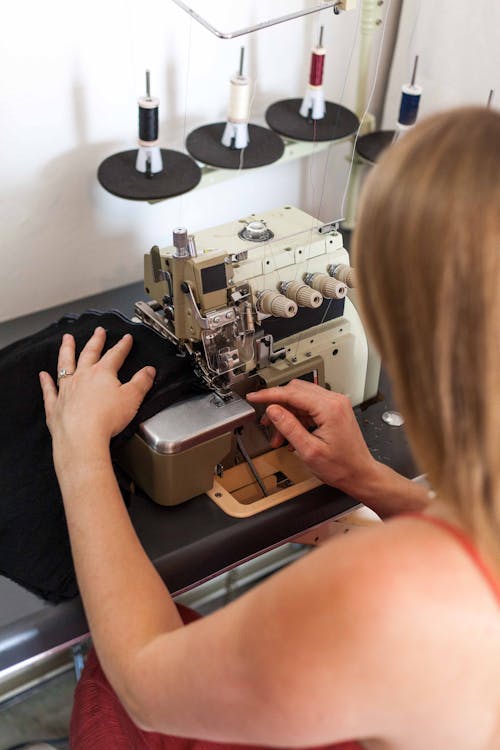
(317, 67)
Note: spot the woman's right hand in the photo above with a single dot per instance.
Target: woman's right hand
(335, 451)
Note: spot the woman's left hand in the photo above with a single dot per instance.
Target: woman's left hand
(91, 405)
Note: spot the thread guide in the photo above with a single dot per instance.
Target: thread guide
(213, 17)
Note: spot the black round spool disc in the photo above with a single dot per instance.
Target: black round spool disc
(338, 122)
(265, 147)
(370, 146)
(118, 175)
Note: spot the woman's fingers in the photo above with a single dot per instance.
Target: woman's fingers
(291, 429)
(277, 439)
(142, 381)
(303, 399)
(49, 393)
(92, 350)
(66, 358)
(116, 356)
(304, 417)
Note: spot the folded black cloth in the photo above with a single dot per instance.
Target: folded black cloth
(34, 543)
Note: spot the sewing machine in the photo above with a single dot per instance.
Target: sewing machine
(253, 303)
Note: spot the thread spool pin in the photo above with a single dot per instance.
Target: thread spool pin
(313, 105)
(410, 101)
(414, 74)
(235, 135)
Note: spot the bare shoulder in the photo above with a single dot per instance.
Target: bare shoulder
(407, 572)
(393, 615)
(427, 625)
(387, 617)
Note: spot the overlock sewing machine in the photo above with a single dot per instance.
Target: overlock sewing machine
(253, 303)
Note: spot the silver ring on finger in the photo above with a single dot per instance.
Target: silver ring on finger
(63, 373)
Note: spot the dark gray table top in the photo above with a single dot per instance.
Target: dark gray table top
(187, 543)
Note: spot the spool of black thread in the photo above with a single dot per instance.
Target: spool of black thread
(148, 123)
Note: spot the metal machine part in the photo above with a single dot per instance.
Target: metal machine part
(192, 246)
(173, 454)
(256, 231)
(251, 307)
(181, 243)
(393, 418)
(189, 423)
(337, 5)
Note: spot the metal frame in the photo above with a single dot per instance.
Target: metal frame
(325, 5)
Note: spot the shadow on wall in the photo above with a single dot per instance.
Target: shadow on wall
(63, 234)
(76, 239)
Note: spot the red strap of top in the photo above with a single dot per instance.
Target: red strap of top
(467, 545)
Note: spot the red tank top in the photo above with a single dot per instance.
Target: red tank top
(99, 722)
(466, 544)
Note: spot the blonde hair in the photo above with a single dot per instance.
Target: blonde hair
(427, 247)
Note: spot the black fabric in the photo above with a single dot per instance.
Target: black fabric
(34, 544)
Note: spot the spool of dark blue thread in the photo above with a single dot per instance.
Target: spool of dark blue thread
(410, 100)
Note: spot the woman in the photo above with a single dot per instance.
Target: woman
(391, 637)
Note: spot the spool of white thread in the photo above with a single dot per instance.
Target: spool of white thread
(235, 133)
(239, 99)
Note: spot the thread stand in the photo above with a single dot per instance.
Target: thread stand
(369, 147)
(117, 174)
(338, 123)
(149, 172)
(312, 118)
(235, 144)
(264, 147)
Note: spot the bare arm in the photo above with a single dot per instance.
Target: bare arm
(388, 493)
(115, 576)
(275, 667)
(336, 451)
(212, 678)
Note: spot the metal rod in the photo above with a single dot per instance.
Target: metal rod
(258, 26)
(414, 76)
(249, 461)
(148, 85)
(490, 98)
(78, 660)
(322, 28)
(242, 58)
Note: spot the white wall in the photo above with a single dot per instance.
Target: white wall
(70, 77)
(458, 43)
